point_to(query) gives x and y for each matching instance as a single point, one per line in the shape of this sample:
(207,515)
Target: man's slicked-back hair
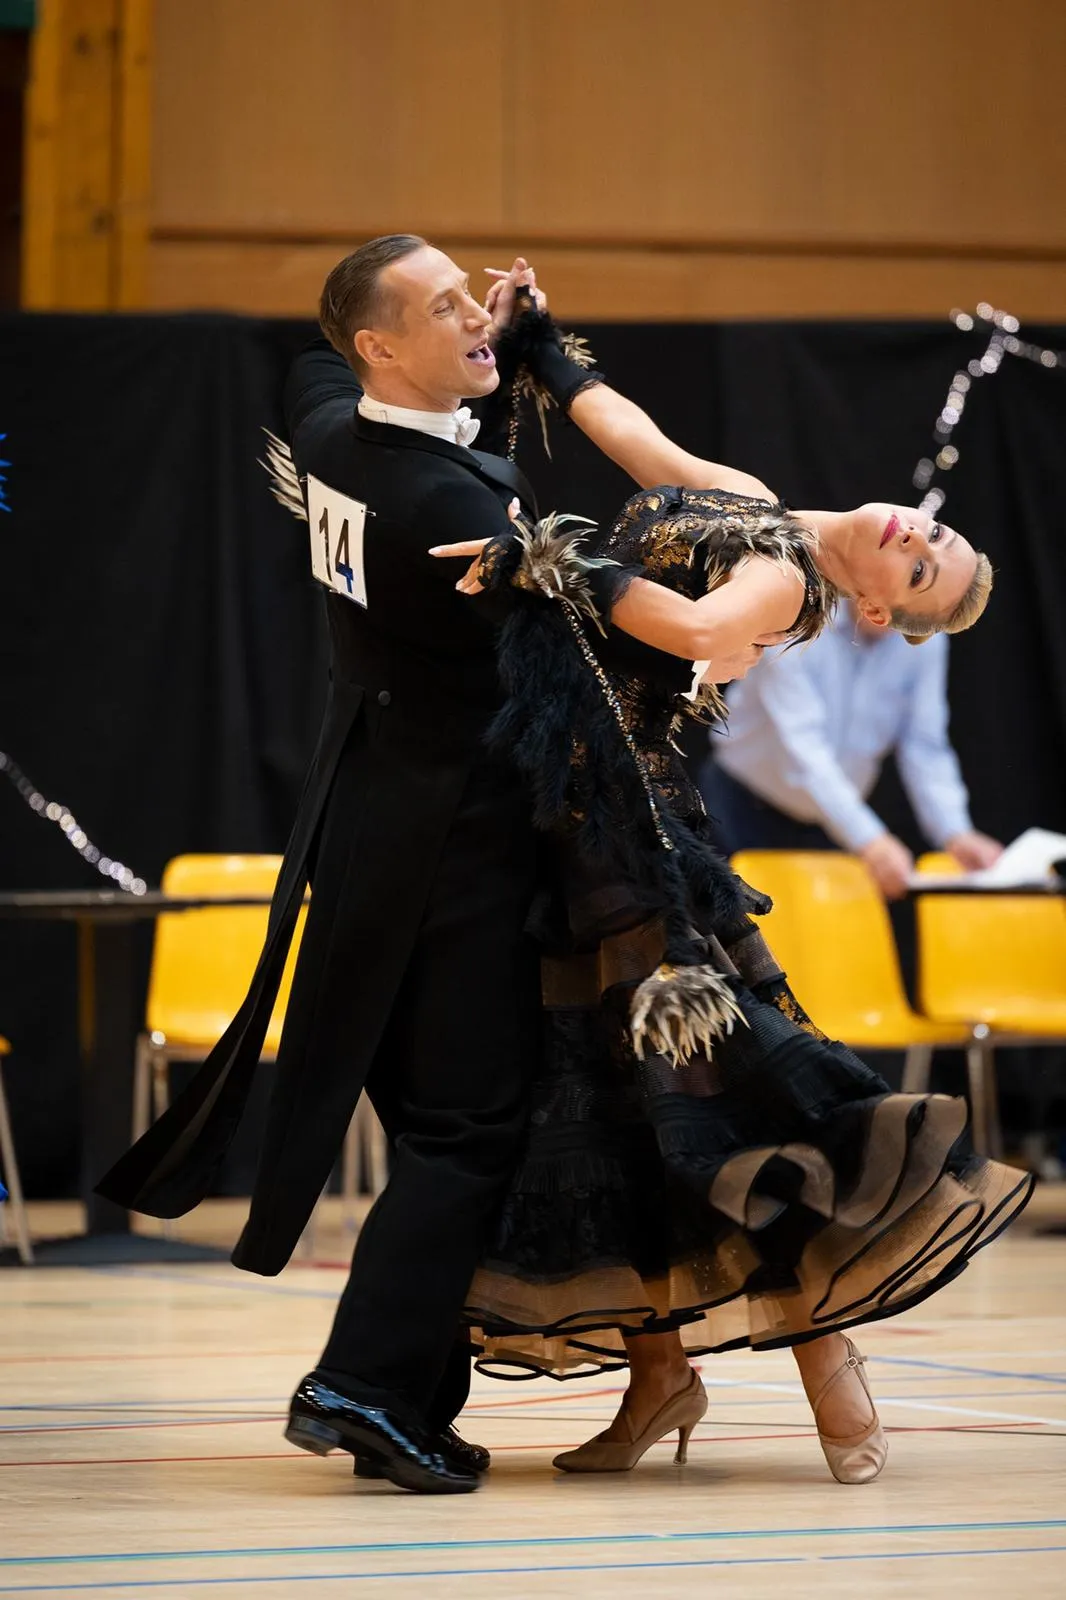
(352,295)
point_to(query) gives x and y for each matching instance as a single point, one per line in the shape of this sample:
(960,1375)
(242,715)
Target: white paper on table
(1025,862)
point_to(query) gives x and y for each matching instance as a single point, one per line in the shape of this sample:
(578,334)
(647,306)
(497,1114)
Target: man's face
(439,346)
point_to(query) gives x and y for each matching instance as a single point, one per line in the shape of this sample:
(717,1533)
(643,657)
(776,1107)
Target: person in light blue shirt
(809,730)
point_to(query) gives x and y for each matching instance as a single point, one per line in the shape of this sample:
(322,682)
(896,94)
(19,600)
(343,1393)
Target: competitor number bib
(335,523)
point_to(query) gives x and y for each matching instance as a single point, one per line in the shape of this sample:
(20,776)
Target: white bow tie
(467,426)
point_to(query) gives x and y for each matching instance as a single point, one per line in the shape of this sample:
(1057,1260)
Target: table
(110,1016)
(1039,891)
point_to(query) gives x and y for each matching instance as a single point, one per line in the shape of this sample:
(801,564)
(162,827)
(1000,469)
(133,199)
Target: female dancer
(704,1169)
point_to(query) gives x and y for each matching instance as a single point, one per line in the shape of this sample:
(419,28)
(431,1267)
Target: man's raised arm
(318,376)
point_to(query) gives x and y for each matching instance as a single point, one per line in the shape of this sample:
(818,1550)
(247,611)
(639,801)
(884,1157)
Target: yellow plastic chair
(997,963)
(831,932)
(9,1171)
(202,962)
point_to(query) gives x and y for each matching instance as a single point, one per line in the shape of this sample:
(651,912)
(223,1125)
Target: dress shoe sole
(365,1468)
(319,1438)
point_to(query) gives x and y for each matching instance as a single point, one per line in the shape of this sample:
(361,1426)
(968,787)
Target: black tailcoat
(401,809)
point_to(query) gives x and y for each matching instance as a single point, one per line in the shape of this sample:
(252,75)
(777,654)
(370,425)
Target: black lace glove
(559,364)
(544,559)
(500,561)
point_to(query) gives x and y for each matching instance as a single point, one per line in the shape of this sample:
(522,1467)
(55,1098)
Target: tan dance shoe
(859,1457)
(682,1411)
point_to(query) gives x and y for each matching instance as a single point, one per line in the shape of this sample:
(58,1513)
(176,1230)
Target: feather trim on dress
(550,562)
(281,470)
(774,535)
(679,1011)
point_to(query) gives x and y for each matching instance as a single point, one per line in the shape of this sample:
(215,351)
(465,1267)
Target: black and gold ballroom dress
(699,1155)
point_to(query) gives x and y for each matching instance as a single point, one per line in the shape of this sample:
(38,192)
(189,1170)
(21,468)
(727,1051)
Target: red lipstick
(890,527)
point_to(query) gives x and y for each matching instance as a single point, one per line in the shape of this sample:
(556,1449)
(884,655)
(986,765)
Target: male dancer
(414,977)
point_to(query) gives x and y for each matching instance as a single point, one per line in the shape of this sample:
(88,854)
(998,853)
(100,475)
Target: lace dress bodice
(691,540)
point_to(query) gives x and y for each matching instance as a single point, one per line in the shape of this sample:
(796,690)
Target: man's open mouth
(483,356)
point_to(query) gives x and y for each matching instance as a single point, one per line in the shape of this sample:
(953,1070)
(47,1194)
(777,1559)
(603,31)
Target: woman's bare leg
(658,1369)
(846,1408)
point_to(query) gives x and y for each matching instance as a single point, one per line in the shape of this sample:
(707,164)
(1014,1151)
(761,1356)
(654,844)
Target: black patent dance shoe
(471,1457)
(321,1419)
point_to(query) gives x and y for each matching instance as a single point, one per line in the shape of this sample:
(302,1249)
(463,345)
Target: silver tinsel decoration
(1003,330)
(122,877)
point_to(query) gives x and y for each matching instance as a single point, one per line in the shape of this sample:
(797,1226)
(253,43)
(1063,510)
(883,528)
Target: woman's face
(899,558)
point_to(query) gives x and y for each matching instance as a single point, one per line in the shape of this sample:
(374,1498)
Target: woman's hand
(468,583)
(500,299)
(727,669)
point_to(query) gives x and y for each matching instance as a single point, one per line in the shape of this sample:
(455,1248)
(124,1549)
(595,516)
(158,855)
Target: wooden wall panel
(133,153)
(794,120)
(692,157)
(330,116)
(88,134)
(69,169)
(624,284)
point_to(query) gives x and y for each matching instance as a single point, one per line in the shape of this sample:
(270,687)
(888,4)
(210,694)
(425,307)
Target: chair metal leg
(160,1082)
(372,1147)
(377,1152)
(917,1067)
(159,1066)
(305,1245)
(14,1183)
(350,1159)
(981,1070)
(142,1079)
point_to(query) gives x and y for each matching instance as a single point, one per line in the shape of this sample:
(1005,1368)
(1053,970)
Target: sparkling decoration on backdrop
(67,823)
(1003,340)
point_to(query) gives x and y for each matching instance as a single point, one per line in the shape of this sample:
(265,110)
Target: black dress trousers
(449,1082)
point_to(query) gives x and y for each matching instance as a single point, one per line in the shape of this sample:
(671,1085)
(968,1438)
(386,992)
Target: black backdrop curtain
(162,646)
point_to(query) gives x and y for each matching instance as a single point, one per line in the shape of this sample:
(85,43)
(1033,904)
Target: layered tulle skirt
(768,1191)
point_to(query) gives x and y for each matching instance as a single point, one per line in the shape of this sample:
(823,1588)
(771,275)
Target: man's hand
(974,851)
(890,864)
(499,302)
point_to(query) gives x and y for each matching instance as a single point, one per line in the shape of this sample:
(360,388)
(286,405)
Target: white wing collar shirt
(810,727)
(458,427)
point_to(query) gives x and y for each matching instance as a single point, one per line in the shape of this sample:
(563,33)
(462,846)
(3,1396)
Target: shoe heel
(684,1434)
(314,1436)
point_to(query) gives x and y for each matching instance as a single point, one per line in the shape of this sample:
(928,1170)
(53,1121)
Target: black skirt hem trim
(641,1320)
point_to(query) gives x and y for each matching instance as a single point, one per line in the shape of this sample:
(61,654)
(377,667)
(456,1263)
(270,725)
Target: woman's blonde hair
(917,629)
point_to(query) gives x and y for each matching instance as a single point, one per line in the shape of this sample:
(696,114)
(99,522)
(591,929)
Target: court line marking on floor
(280,1402)
(91,1357)
(129,1427)
(514,1572)
(973,1372)
(554,1541)
(539,1447)
(237,1284)
(789,1390)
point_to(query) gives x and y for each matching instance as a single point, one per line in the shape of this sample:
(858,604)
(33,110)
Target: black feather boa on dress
(558,727)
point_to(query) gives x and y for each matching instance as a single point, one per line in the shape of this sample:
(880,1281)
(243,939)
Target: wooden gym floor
(141,1453)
